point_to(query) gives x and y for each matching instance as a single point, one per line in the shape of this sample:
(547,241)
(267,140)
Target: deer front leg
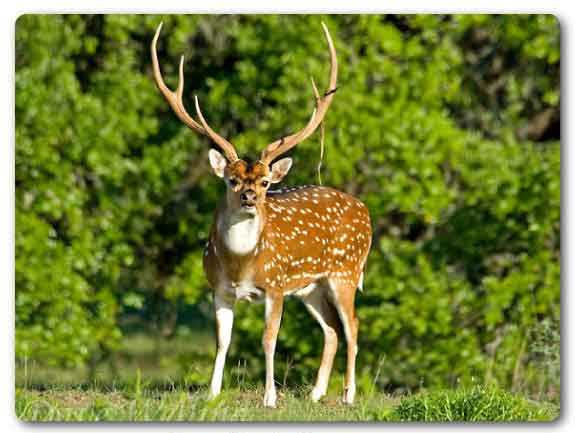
(224,323)
(274,306)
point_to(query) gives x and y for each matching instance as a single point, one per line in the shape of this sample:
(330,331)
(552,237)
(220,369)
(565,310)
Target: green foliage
(509,74)
(430,127)
(469,405)
(545,353)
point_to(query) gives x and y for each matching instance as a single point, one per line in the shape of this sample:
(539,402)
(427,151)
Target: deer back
(312,232)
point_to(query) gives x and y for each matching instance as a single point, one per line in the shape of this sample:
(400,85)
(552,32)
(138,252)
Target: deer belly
(302,292)
(245,291)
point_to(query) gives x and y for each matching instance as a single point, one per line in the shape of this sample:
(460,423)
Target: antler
(175,101)
(279,147)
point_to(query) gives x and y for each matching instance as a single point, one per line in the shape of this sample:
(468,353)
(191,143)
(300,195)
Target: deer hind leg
(326,315)
(343,299)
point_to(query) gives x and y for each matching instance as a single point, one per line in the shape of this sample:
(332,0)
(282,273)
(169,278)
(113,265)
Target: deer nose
(248,196)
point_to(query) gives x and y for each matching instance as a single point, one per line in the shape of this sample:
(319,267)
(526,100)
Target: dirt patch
(73,399)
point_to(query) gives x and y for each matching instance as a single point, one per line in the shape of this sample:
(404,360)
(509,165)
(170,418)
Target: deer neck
(240,232)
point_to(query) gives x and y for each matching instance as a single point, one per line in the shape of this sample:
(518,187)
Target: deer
(309,241)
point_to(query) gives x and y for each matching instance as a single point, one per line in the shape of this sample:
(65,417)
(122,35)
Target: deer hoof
(317,394)
(270,398)
(213,394)
(349,395)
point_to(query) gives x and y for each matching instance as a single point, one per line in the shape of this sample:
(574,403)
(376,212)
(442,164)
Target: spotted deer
(309,241)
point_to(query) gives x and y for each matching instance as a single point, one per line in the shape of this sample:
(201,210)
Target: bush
(470,405)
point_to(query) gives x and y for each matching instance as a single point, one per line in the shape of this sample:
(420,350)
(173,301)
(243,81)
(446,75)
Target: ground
(141,404)
(151,382)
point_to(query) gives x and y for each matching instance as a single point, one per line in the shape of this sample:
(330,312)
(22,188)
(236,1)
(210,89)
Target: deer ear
(218,162)
(280,169)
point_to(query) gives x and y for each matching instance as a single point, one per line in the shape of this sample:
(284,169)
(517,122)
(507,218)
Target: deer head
(247,182)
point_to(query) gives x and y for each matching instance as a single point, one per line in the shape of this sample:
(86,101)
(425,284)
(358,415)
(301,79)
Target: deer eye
(233,183)
(265,183)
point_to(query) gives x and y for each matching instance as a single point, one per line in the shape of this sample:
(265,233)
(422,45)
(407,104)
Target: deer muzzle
(248,198)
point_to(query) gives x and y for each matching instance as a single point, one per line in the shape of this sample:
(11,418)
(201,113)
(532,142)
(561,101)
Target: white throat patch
(241,233)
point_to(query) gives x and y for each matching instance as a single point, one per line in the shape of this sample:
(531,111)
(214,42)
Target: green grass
(138,403)
(166,380)
(476,404)
(181,405)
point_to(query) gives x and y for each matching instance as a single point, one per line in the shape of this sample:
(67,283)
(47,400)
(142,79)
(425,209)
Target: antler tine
(174,99)
(224,144)
(315,91)
(279,147)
